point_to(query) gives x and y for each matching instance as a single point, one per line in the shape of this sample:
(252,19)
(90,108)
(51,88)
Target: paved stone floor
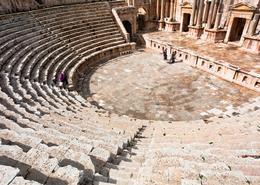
(218,51)
(144,86)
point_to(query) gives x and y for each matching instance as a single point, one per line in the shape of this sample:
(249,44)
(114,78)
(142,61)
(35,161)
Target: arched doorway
(141,17)
(128,27)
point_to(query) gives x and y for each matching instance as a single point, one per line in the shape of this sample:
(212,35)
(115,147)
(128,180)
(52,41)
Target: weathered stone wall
(61,2)
(9,6)
(12,6)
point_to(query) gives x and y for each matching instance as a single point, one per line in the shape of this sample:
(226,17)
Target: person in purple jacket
(60,79)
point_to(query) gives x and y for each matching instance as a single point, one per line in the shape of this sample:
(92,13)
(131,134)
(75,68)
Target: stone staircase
(50,135)
(191,153)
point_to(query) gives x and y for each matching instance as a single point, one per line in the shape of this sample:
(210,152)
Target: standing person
(65,81)
(172,59)
(61,78)
(165,54)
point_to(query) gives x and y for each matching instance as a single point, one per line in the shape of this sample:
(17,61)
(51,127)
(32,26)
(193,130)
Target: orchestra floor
(144,86)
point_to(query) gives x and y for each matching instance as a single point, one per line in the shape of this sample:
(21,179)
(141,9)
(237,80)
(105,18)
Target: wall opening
(237,29)
(186,22)
(128,27)
(244,79)
(141,17)
(39,1)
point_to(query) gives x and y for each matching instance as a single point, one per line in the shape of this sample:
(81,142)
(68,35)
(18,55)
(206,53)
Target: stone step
(7,174)
(22,181)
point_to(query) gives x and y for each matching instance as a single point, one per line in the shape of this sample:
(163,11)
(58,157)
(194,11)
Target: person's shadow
(176,61)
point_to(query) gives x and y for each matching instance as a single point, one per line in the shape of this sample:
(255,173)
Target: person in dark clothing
(172,59)
(65,81)
(165,54)
(62,80)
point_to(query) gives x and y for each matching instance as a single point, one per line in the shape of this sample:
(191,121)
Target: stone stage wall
(221,69)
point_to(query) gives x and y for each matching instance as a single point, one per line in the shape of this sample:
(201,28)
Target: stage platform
(230,53)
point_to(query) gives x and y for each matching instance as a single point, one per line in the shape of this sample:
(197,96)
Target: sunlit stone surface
(145,86)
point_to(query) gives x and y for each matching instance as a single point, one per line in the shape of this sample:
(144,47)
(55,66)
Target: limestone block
(83,160)
(11,151)
(7,174)
(190,182)
(100,153)
(22,181)
(66,175)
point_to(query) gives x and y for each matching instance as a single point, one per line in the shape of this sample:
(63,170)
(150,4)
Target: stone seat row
(38,165)
(63,9)
(162,156)
(48,133)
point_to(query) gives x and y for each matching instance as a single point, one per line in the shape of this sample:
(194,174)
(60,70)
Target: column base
(172,26)
(161,25)
(251,44)
(195,31)
(214,35)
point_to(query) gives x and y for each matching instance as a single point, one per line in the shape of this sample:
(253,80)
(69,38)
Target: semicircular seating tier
(50,134)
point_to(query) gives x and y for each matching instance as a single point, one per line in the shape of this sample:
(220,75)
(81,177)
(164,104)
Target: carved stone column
(167,4)
(200,14)
(217,22)
(193,12)
(171,10)
(158,9)
(206,12)
(210,14)
(161,21)
(253,24)
(215,10)
(162,10)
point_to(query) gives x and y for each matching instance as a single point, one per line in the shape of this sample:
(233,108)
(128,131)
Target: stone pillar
(193,12)
(158,9)
(217,22)
(167,8)
(206,12)
(210,14)
(133,3)
(197,12)
(171,10)
(215,10)
(199,19)
(253,24)
(175,4)
(162,10)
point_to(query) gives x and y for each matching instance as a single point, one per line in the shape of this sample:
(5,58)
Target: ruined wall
(9,6)
(61,2)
